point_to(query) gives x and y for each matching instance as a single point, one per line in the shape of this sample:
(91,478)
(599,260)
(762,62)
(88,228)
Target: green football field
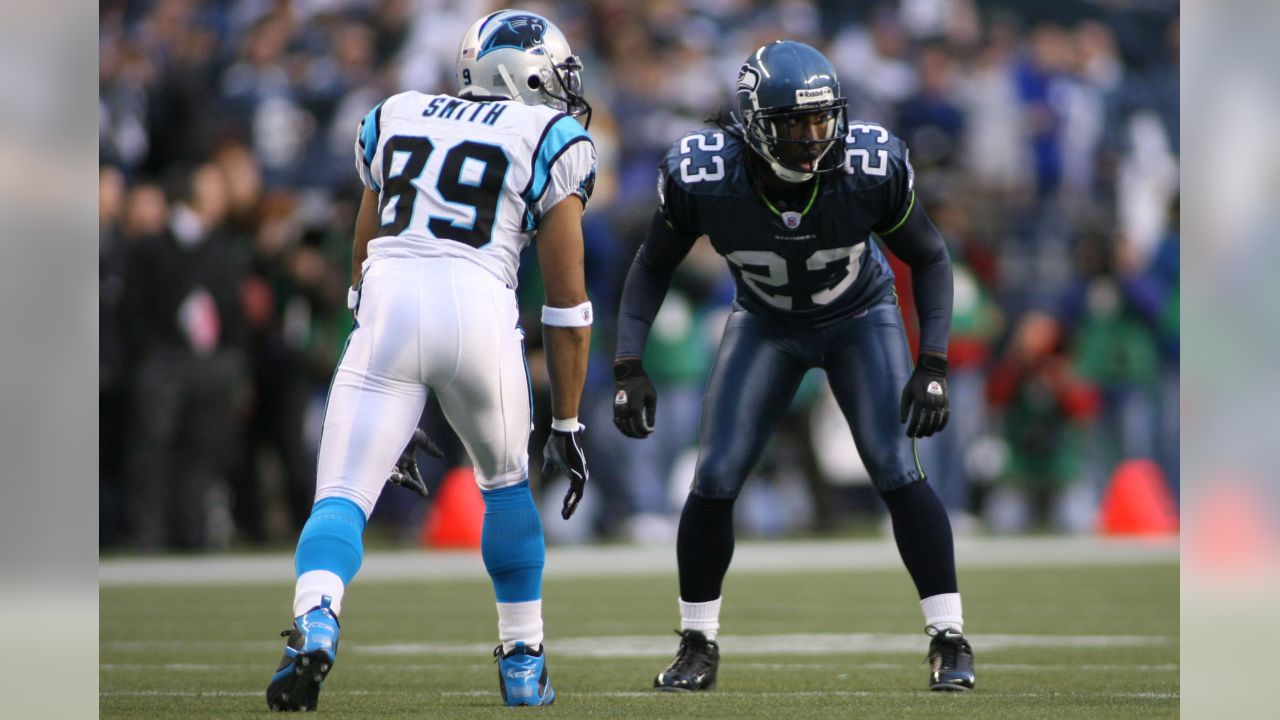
(1069,639)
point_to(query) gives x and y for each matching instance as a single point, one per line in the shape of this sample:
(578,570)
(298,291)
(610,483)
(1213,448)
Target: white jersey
(469,179)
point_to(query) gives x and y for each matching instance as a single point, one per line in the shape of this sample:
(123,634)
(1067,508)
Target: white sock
(313,585)
(703,617)
(942,612)
(520,622)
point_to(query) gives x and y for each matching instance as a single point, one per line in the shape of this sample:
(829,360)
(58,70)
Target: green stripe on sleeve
(910,206)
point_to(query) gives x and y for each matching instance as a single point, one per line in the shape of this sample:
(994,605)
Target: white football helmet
(522,56)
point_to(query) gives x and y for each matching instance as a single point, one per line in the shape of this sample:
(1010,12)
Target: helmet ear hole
(534,82)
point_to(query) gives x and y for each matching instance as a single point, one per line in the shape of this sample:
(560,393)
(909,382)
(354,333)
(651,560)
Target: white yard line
(795,644)
(800,555)
(664,697)
(807,667)
(744,646)
(836,693)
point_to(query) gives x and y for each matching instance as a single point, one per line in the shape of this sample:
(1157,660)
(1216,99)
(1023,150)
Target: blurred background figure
(1045,132)
(1046,410)
(185,332)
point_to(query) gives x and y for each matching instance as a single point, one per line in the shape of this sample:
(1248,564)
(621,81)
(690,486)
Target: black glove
(925,397)
(635,406)
(564,453)
(406,471)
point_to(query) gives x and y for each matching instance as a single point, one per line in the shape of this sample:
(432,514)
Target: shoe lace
(693,657)
(498,653)
(948,652)
(946,649)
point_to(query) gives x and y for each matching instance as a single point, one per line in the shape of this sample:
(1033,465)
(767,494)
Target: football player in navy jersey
(791,192)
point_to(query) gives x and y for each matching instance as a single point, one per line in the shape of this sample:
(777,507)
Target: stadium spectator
(1043,120)
(182,311)
(1047,409)
(1111,317)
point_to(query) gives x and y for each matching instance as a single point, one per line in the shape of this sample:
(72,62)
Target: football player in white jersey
(455,188)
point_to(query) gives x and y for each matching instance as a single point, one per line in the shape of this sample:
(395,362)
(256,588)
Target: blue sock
(331,539)
(512,544)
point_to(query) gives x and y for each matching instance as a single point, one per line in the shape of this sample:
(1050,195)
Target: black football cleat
(950,662)
(694,667)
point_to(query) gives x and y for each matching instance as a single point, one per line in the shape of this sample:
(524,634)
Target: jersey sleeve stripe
(910,206)
(559,135)
(540,191)
(369,133)
(537,148)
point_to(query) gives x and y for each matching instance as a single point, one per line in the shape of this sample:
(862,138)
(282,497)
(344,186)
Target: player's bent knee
(502,482)
(890,482)
(331,539)
(716,481)
(349,491)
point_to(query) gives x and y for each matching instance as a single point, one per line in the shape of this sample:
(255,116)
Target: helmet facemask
(568,82)
(799,141)
(792,110)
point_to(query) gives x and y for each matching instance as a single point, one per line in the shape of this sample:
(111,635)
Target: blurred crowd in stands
(1045,138)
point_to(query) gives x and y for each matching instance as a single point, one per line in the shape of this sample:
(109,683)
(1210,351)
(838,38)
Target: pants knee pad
(717,481)
(512,544)
(331,539)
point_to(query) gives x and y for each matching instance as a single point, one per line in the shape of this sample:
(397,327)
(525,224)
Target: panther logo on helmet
(522,56)
(521,32)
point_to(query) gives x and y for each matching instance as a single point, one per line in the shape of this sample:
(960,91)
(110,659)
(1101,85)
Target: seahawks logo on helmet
(522,32)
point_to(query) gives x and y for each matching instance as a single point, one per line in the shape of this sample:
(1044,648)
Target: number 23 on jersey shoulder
(709,167)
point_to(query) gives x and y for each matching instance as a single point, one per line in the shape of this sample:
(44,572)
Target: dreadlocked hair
(725,119)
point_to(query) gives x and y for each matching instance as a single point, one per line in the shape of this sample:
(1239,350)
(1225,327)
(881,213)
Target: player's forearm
(922,248)
(932,285)
(566,351)
(647,283)
(567,315)
(642,296)
(367,225)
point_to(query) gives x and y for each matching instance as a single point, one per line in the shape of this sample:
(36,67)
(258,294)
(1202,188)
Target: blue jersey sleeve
(366,147)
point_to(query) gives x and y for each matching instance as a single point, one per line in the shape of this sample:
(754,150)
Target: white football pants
(440,323)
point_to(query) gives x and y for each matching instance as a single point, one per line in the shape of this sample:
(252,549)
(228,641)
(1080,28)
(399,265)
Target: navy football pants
(758,368)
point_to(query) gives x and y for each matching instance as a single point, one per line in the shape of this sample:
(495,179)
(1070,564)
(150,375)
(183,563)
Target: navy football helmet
(792,110)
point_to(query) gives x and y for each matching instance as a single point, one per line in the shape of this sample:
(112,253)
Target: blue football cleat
(522,676)
(308,656)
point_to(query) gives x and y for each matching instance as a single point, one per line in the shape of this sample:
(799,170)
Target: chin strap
(510,83)
(789,175)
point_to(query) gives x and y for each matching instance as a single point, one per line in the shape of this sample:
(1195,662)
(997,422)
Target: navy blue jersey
(809,265)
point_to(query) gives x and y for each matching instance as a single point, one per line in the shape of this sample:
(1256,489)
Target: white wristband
(579,316)
(566,425)
(353,298)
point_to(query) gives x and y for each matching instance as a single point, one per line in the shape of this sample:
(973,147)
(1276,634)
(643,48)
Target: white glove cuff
(579,316)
